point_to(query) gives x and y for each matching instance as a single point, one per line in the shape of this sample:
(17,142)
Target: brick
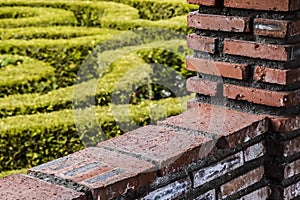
(202,43)
(285,124)
(217,170)
(262,193)
(261,50)
(276,76)
(292,191)
(262,96)
(254,151)
(27,188)
(276,28)
(283,5)
(171,191)
(218,22)
(201,86)
(224,69)
(292,169)
(242,182)
(168,149)
(214,3)
(104,172)
(210,195)
(292,147)
(229,127)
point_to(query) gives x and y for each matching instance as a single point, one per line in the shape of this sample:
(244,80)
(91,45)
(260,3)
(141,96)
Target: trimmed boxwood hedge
(43,137)
(62,98)
(19,75)
(7,173)
(27,16)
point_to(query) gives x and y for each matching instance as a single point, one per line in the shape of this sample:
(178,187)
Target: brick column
(255,47)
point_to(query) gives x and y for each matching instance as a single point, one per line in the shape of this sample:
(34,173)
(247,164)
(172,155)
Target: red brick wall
(239,139)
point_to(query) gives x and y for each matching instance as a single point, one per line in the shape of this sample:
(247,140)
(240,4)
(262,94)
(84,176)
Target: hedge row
(19,75)
(7,173)
(62,98)
(106,14)
(12,17)
(43,137)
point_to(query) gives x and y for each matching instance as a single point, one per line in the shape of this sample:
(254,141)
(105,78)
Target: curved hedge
(62,98)
(42,137)
(19,75)
(26,16)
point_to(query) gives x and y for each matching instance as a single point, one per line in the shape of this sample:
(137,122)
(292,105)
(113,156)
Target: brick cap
(27,188)
(228,126)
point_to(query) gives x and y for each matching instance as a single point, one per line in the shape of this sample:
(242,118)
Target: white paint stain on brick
(292,191)
(254,151)
(210,195)
(170,191)
(210,173)
(267,27)
(262,193)
(292,169)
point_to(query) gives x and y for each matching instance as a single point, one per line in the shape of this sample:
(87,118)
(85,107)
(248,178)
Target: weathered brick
(224,69)
(276,28)
(292,147)
(104,172)
(242,182)
(228,126)
(210,195)
(277,76)
(261,50)
(254,151)
(171,191)
(202,43)
(282,5)
(292,169)
(262,96)
(262,193)
(221,168)
(168,149)
(27,188)
(218,22)
(201,86)
(206,2)
(292,191)
(285,124)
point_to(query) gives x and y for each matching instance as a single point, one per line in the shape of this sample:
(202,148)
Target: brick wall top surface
(28,188)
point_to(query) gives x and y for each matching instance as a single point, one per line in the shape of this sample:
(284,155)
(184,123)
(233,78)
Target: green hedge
(43,137)
(62,98)
(27,16)
(19,75)
(7,173)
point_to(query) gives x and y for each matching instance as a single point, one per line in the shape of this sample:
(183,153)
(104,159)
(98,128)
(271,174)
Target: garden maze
(49,45)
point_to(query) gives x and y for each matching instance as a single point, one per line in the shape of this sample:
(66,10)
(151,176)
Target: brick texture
(28,188)
(276,28)
(292,169)
(292,147)
(262,193)
(283,5)
(202,43)
(276,76)
(262,96)
(198,85)
(292,191)
(167,148)
(285,124)
(254,151)
(104,172)
(224,69)
(242,182)
(260,50)
(218,22)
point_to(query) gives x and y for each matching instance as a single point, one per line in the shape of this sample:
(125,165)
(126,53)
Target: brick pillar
(255,47)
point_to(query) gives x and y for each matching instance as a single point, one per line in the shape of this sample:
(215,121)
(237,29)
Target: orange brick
(218,22)
(282,5)
(202,43)
(262,96)
(200,86)
(277,76)
(224,69)
(261,50)
(285,124)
